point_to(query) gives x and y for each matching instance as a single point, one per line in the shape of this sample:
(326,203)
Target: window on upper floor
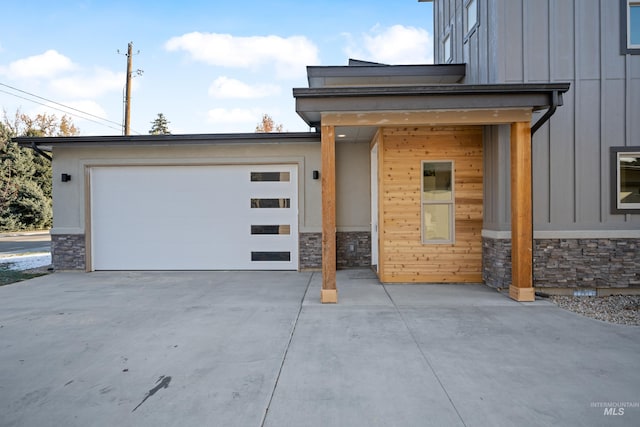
(630,26)
(470,16)
(625,180)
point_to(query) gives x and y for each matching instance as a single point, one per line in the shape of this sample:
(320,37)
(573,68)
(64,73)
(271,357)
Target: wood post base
(329,296)
(522,294)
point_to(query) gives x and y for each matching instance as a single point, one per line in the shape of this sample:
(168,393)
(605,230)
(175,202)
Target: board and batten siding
(403,256)
(537,41)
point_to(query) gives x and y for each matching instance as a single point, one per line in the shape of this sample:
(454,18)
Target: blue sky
(209,67)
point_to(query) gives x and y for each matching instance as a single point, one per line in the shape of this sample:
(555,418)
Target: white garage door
(238,217)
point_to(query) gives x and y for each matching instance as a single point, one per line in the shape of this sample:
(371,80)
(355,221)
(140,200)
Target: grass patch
(10,276)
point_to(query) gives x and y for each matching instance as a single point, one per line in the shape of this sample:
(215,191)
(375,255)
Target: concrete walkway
(257,349)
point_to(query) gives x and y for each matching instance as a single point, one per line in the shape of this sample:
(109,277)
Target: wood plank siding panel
(403,256)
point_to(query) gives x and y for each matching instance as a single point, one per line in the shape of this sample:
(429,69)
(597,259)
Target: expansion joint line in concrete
(286,351)
(424,356)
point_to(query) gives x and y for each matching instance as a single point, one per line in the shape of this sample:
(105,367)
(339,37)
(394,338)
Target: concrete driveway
(257,349)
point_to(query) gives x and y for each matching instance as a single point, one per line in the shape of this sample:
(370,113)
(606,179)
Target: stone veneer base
(353,249)
(68,251)
(570,263)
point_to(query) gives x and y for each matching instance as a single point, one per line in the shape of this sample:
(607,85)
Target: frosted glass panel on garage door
(190,218)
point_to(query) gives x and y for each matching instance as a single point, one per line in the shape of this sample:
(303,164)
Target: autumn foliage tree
(268,125)
(25,177)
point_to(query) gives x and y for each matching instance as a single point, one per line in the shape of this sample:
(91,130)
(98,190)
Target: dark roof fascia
(381,70)
(171,140)
(311,102)
(385,70)
(452,89)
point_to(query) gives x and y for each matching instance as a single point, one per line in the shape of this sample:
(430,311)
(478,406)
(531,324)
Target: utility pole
(127,95)
(127,99)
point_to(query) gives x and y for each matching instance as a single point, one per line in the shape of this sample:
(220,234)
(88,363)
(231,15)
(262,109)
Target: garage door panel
(189,218)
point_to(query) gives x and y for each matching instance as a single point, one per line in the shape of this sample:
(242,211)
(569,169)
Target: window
(470,16)
(438,202)
(270,176)
(270,229)
(446,49)
(625,180)
(630,26)
(270,203)
(634,24)
(271,256)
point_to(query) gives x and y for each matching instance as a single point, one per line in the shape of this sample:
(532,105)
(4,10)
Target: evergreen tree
(160,126)
(25,177)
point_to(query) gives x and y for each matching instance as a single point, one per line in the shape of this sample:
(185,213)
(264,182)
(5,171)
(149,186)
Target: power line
(119,128)
(59,109)
(57,103)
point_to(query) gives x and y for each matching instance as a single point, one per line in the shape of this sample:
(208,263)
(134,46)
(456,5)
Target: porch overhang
(326,108)
(457,99)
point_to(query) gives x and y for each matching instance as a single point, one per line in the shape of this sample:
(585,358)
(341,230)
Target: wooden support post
(329,292)
(521,288)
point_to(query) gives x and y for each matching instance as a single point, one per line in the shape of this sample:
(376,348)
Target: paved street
(16,243)
(24,251)
(258,349)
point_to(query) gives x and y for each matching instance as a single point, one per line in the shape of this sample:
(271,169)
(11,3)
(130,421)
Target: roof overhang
(360,73)
(312,104)
(47,143)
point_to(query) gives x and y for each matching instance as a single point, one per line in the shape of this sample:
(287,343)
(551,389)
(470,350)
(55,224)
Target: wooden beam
(329,292)
(428,118)
(521,288)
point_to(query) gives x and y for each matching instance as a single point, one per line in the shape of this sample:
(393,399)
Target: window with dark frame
(630,26)
(625,180)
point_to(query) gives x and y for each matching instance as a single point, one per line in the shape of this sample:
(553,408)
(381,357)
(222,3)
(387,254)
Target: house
(426,173)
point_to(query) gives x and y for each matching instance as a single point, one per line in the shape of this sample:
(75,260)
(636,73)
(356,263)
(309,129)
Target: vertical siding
(561,168)
(588,39)
(536,40)
(562,40)
(512,57)
(575,41)
(497,210)
(587,153)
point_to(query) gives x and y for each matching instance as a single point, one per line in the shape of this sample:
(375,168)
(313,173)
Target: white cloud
(233,115)
(397,44)
(97,83)
(290,55)
(225,87)
(45,65)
